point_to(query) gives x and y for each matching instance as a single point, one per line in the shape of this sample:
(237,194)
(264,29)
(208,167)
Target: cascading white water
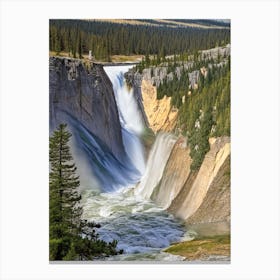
(129,114)
(157,160)
(141,228)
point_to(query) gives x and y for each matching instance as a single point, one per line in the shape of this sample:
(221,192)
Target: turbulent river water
(141,228)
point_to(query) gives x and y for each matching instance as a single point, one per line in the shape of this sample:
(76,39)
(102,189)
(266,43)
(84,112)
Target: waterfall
(99,168)
(156,163)
(129,115)
(108,176)
(89,151)
(141,227)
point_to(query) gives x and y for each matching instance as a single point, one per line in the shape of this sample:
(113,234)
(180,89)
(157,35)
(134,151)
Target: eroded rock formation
(160,114)
(208,172)
(201,196)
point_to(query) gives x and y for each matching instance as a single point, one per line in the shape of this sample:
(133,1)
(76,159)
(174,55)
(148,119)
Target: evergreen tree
(136,39)
(64,198)
(57,42)
(80,48)
(70,237)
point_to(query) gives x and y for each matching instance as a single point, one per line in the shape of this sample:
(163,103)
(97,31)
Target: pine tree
(65,212)
(80,46)
(57,42)
(71,238)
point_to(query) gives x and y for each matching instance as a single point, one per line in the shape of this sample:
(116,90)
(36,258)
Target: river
(142,228)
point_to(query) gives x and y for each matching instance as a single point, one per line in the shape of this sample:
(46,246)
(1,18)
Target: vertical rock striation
(84,93)
(158,157)
(211,165)
(176,173)
(201,196)
(82,96)
(160,114)
(217,199)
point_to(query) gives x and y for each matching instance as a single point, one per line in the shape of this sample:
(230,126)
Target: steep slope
(212,163)
(82,96)
(158,157)
(217,199)
(201,196)
(84,93)
(160,114)
(176,172)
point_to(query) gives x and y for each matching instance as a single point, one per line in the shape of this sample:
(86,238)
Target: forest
(77,37)
(162,44)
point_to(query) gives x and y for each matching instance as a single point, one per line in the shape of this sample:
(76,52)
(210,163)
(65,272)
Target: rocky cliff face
(82,96)
(135,80)
(156,74)
(217,199)
(157,114)
(196,196)
(210,170)
(176,172)
(160,114)
(85,94)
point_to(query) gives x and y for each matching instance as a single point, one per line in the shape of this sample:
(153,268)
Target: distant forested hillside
(106,38)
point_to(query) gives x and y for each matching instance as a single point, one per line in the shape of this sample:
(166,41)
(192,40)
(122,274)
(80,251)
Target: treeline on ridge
(77,37)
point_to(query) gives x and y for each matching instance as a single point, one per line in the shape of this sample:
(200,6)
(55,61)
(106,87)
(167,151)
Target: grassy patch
(114,58)
(202,247)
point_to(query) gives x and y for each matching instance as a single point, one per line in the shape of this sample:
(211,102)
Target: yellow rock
(211,164)
(160,114)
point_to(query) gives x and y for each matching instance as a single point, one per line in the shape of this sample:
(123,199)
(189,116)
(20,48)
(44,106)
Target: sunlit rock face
(217,199)
(160,114)
(201,196)
(211,165)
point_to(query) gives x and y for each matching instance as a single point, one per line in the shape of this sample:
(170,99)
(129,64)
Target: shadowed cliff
(82,96)
(86,94)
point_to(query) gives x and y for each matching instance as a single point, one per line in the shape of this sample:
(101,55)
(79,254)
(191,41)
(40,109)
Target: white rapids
(141,228)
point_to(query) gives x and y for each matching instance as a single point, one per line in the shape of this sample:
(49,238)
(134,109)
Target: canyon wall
(198,197)
(160,114)
(81,95)
(84,93)
(203,199)
(201,196)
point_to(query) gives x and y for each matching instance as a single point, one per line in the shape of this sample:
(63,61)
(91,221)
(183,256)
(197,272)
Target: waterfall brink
(156,163)
(129,114)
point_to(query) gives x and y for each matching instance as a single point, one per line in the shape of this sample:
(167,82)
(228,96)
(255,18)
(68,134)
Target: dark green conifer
(70,237)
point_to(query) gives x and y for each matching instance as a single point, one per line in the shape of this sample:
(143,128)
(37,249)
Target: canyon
(107,119)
